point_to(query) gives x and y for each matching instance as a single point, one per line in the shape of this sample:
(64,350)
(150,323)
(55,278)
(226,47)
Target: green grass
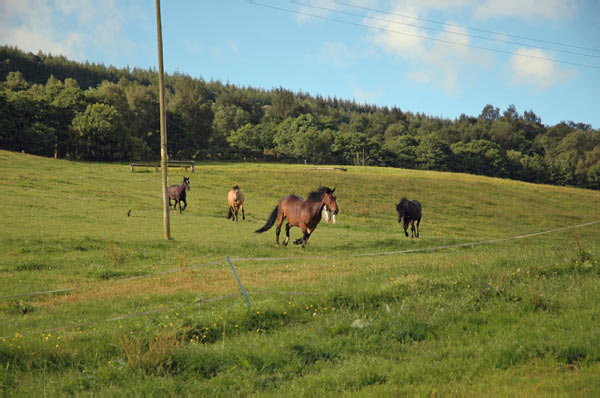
(517,317)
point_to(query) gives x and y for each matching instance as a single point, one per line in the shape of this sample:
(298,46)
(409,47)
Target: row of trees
(117,119)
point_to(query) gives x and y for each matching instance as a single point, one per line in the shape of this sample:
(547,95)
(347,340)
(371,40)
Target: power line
(422,36)
(444,30)
(467,27)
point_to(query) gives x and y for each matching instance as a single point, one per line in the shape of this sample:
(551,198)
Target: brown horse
(177,193)
(235,197)
(301,213)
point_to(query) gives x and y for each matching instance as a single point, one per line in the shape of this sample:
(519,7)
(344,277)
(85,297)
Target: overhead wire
(497,40)
(467,27)
(422,36)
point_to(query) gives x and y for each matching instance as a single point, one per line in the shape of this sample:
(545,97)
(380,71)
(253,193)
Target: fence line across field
(162,310)
(295,258)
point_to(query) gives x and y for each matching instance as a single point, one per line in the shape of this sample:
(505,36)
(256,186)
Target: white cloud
(445,55)
(72,28)
(334,54)
(233,46)
(540,73)
(368,96)
(420,76)
(548,9)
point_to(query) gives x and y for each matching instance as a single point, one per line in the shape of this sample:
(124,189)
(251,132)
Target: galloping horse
(177,193)
(235,197)
(411,211)
(301,213)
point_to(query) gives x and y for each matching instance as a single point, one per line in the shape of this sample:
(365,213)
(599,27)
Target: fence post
(239,282)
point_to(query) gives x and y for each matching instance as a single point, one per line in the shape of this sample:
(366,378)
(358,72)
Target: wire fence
(295,258)
(246,259)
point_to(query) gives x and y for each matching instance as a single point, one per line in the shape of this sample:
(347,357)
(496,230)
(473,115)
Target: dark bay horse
(410,210)
(235,198)
(304,214)
(177,193)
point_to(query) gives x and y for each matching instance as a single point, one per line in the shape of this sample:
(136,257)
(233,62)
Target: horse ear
(333,190)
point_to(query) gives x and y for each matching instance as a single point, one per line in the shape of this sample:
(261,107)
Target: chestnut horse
(304,214)
(177,193)
(235,197)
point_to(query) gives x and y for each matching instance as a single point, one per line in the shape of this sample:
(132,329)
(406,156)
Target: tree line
(52,106)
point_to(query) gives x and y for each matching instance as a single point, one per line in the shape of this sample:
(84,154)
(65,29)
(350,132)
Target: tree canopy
(52,106)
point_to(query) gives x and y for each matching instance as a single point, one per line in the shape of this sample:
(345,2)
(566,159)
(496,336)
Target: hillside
(361,310)
(52,106)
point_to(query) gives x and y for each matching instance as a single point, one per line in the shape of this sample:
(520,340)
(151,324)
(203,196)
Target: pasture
(350,313)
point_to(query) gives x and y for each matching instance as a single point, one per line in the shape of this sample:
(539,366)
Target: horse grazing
(304,214)
(177,193)
(327,216)
(235,197)
(410,210)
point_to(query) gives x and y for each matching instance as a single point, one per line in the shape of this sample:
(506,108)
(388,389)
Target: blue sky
(423,56)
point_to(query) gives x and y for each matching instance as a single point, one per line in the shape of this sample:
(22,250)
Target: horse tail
(229,214)
(270,221)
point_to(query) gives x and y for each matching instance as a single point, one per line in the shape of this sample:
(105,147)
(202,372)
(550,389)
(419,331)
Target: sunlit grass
(323,320)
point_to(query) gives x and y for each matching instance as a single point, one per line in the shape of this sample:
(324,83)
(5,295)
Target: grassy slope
(517,317)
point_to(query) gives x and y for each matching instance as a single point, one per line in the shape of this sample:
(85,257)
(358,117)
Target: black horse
(177,193)
(410,210)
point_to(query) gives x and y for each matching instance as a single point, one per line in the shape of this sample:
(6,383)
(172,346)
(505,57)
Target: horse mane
(317,195)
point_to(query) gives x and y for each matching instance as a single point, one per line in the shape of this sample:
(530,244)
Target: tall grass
(517,317)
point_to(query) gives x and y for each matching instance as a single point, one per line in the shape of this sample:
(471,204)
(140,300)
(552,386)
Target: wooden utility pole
(163,126)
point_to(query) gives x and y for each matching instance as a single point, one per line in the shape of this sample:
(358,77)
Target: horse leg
(412,229)
(280,218)
(405,227)
(287,234)
(184,202)
(305,237)
(243,215)
(418,222)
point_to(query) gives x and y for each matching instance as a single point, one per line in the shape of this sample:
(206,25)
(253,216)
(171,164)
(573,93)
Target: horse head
(186,183)
(330,200)
(401,209)
(236,188)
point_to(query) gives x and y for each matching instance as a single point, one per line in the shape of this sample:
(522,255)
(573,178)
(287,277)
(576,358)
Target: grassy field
(353,313)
